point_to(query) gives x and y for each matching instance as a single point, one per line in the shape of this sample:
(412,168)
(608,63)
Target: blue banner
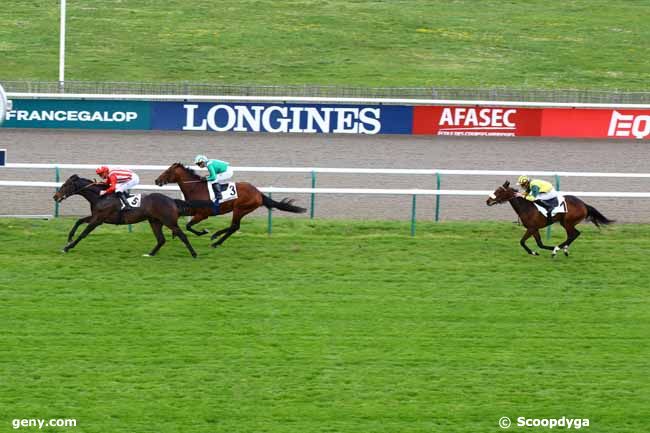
(282,118)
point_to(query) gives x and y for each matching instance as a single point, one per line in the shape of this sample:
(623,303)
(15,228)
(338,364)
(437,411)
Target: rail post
(270,219)
(437,197)
(413,215)
(57,178)
(313,196)
(557,188)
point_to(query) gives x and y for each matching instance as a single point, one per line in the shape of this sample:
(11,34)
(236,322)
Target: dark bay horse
(195,191)
(158,209)
(533,220)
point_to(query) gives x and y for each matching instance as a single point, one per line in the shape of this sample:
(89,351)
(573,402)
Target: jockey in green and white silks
(540,192)
(219,172)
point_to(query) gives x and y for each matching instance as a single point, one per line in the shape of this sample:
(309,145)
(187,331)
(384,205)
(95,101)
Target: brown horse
(533,220)
(158,209)
(195,191)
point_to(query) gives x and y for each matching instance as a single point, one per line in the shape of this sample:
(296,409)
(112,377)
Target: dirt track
(163,148)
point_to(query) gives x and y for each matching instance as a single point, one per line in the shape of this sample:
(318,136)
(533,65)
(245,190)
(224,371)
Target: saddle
(558,205)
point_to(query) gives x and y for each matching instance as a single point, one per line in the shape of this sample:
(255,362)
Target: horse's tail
(285,205)
(187,208)
(596,217)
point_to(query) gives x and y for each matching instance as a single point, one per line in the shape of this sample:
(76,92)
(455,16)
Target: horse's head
(502,194)
(72,186)
(176,173)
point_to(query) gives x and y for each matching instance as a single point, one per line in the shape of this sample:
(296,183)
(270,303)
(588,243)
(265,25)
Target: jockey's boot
(549,210)
(123,199)
(217,192)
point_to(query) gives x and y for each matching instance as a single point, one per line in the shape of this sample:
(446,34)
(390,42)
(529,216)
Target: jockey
(218,172)
(540,192)
(119,181)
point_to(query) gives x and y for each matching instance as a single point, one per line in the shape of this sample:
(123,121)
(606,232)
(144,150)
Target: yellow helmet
(523,180)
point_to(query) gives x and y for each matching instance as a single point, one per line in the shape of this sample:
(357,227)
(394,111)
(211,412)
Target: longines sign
(282,118)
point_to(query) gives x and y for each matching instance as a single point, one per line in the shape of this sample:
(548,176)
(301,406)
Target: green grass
(587,44)
(323,327)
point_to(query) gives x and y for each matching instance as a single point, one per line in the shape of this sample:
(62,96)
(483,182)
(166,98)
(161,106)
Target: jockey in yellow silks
(540,192)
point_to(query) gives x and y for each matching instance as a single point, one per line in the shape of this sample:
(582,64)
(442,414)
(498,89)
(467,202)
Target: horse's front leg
(538,240)
(195,220)
(76,225)
(89,228)
(523,240)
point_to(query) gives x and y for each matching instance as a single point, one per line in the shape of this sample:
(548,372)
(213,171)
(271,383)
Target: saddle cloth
(228,192)
(134,200)
(560,208)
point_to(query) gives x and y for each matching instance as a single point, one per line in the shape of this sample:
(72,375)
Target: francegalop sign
(38,113)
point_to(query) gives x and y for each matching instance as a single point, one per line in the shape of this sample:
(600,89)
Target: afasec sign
(476,121)
(282,118)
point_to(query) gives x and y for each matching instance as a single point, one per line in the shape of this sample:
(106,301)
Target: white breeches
(121,187)
(547,195)
(223,177)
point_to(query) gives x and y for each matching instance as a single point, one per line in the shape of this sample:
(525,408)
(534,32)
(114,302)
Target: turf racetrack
(327,326)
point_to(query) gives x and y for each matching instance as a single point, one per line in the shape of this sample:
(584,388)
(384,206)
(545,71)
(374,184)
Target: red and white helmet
(103,170)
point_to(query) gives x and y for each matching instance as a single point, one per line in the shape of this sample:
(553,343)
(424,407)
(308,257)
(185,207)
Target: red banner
(477,121)
(531,122)
(588,123)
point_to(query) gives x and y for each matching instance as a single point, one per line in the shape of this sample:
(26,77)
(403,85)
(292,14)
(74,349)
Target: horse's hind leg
(219,233)
(229,231)
(76,226)
(156,227)
(572,234)
(237,215)
(181,235)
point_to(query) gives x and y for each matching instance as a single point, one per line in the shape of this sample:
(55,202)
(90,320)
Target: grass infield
(585,44)
(324,326)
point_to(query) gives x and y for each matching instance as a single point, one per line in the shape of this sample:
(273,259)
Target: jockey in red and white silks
(119,181)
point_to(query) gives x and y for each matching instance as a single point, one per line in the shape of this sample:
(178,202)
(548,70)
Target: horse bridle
(493,196)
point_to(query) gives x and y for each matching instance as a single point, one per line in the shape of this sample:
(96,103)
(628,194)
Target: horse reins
(81,189)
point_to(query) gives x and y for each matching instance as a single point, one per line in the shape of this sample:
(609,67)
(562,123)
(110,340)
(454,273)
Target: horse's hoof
(147,255)
(203,232)
(214,245)
(534,253)
(63,250)
(194,255)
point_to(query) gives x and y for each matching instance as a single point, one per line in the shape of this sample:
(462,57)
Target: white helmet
(200,158)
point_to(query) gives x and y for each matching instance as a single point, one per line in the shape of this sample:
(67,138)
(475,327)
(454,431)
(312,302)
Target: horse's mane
(85,182)
(188,170)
